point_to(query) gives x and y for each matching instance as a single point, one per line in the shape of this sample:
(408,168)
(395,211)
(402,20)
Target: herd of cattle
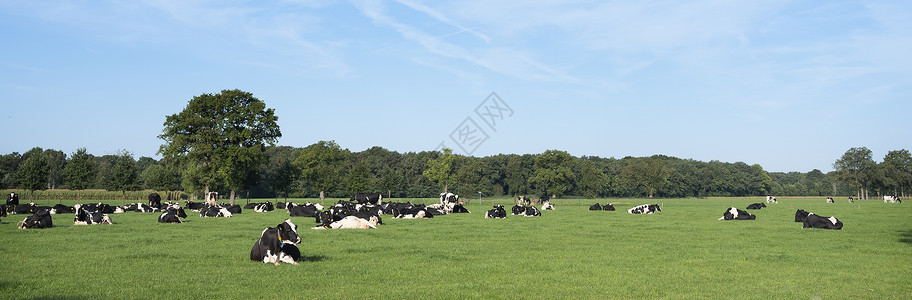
(362,211)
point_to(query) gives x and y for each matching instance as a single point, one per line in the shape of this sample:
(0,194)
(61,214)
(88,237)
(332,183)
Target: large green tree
(551,174)
(591,181)
(646,174)
(855,168)
(33,173)
(56,160)
(440,169)
(220,138)
(323,168)
(897,169)
(123,175)
(80,171)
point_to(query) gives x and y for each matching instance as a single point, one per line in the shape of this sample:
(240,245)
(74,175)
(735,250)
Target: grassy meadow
(682,252)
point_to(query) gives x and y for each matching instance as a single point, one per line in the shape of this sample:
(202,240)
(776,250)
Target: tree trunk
(123,199)
(446,186)
(232,197)
(321,198)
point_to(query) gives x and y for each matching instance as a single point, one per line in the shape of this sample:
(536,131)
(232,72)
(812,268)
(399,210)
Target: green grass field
(681,252)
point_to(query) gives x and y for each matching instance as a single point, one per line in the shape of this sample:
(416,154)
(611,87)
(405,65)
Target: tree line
(337,172)
(225,142)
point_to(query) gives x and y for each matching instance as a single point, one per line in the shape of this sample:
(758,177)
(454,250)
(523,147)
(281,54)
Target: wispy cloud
(502,60)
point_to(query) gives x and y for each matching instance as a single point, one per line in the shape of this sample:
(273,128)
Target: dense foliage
(338,172)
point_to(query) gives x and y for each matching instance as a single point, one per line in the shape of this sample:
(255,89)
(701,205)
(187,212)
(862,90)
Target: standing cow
(771,199)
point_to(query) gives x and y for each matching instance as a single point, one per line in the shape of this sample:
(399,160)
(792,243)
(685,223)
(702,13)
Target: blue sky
(789,85)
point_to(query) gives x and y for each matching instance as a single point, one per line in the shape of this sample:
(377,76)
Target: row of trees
(325,166)
(226,142)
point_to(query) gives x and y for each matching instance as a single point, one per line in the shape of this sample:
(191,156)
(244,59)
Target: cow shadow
(906,237)
(315,258)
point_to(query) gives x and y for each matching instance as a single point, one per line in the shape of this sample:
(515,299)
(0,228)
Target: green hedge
(62,194)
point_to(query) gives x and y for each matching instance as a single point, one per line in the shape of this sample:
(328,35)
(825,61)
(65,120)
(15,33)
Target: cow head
(288,232)
(324,219)
(654,208)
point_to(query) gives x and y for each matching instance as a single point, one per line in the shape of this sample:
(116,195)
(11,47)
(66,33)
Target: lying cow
(737,214)
(595,207)
(815,221)
(771,199)
(264,207)
(414,213)
(523,200)
(368,198)
(800,215)
(350,222)
(303,211)
(497,213)
(155,200)
(84,217)
(447,198)
(756,206)
(62,209)
(547,206)
(458,208)
(214,211)
(172,215)
(531,211)
(41,219)
(277,245)
(830,200)
(644,209)
(517,210)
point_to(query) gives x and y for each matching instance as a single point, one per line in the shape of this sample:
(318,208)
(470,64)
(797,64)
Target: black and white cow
(517,210)
(815,221)
(264,207)
(85,217)
(12,199)
(25,209)
(756,206)
(368,198)
(277,245)
(458,209)
(830,200)
(523,200)
(544,199)
(771,199)
(172,215)
(610,207)
(303,211)
(233,209)
(531,211)
(547,206)
(497,213)
(212,198)
(644,209)
(446,198)
(194,206)
(155,200)
(62,209)
(414,212)
(891,199)
(41,219)
(851,200)
(350,222)
(595,207)
(737,214)
(800,215)
(214,211)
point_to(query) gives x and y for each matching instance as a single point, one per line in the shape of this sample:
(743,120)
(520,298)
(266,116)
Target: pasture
(681,252)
